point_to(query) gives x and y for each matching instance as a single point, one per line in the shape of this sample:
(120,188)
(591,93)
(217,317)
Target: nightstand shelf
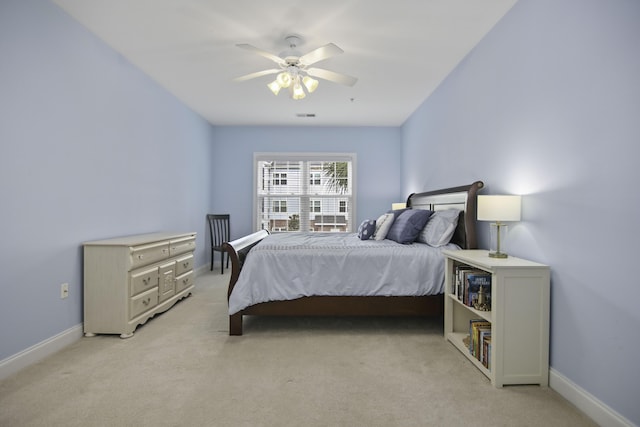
(519,317)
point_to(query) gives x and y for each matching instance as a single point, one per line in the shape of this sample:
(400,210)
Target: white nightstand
(519,317)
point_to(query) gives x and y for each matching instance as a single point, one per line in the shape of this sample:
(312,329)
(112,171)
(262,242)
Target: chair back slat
(219,232)
(219,229)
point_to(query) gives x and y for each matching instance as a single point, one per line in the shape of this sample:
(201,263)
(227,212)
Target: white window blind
(304,191)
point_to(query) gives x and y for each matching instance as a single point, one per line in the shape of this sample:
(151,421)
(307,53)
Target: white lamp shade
(298,92)
(310,84)
(274,86)
(499,208)
(284,79)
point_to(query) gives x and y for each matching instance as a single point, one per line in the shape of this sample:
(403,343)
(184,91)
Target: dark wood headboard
(463,198)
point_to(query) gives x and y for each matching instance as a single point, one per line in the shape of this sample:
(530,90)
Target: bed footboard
(237,251)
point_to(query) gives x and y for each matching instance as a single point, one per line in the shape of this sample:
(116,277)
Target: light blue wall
(378,165)
(91,148)
(548,105)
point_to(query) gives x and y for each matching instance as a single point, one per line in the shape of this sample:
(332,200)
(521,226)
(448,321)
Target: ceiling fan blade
(332,76)
(256,74)
(271,56)
(324,52)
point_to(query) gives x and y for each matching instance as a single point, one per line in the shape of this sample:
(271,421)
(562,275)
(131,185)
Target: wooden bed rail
(237,250)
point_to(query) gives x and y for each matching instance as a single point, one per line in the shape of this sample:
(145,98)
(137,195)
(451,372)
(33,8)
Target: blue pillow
(396,212)
(408,225)
(366,229)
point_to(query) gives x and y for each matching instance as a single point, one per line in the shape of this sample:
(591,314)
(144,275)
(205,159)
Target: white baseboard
(37,352)
(586,402)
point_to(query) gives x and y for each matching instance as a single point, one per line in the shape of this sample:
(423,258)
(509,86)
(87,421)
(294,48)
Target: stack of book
(480,341)
(468,282)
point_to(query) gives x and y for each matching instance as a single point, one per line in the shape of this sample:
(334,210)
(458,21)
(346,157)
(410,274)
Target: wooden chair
(219,231)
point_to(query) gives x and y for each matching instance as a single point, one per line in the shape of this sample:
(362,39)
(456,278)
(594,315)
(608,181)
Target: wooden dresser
(128,280)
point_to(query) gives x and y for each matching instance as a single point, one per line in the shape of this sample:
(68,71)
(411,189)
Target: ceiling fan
(294,72)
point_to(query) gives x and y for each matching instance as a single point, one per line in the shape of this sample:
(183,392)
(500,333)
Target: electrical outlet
(64,290)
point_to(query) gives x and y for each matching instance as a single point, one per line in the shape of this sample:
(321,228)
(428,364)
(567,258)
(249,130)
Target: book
(463,275)
(475,280)
(480,331)
(486,352)
(484,334)
(475,325)
(460,279)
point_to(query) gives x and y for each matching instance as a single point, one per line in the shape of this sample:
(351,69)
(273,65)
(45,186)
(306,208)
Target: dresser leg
(129,335)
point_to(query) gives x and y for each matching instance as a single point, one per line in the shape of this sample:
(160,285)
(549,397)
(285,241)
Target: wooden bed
(463,198)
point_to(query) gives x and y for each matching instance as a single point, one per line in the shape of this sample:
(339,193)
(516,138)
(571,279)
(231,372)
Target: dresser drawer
(147,254)
(184,264)
(180,246)
(167,281)
(143,302)
(184,281)
(143,279)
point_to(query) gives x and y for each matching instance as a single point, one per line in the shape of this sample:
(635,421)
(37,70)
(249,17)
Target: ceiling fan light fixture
(298,92)
(275,87)
(310,83)
(284,79)
(294,73)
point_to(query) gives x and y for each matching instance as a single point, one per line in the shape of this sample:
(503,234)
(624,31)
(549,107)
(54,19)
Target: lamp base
(498,231)
(498,255)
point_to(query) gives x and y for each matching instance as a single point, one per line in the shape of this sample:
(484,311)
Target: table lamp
(499,209)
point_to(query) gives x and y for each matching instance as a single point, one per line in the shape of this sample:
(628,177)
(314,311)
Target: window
(315,178)
(279,205)
(304,191)
(279,178)
(315,206)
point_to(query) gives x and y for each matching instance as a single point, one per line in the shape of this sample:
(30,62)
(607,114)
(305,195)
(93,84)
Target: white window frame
(308,157)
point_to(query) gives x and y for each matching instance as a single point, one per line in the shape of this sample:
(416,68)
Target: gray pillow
(407,226)
(383,224)
(440,228)
(366,229)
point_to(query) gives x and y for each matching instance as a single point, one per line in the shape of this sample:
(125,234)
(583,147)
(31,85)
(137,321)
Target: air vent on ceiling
(305,115)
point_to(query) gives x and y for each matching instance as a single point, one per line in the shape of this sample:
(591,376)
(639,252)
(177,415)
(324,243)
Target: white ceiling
(400,51)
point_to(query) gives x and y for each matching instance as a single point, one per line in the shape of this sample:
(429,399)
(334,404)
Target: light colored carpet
(182,369)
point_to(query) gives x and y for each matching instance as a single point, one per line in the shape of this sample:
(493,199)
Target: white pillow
(440,228)
(383,224)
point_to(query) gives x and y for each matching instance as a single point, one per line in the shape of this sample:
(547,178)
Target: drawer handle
(147,301)
(147,281)
(185,264)
(140,256)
